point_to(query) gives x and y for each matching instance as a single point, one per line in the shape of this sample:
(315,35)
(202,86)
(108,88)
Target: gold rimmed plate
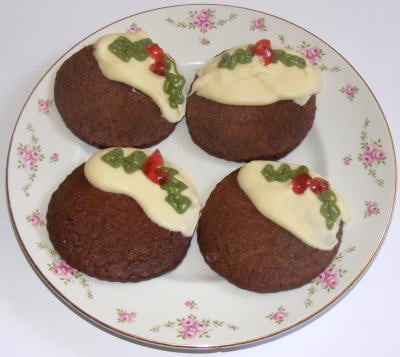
(192,307)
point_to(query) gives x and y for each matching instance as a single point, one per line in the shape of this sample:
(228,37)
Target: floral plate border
(202,311)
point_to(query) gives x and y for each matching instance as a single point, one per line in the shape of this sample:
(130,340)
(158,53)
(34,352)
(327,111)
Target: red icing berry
(300,182)
(152,168)
(318,185)
(157,175)
(155,51)
(154,160)
(263,48)
(158,67)
(259,47)
(268,56)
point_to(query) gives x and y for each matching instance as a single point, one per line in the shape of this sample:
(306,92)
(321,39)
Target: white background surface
(35,34)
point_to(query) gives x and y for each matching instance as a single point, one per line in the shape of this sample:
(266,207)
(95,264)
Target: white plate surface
(192,307)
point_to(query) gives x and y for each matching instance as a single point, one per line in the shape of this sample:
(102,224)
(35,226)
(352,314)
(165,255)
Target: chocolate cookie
(245,133)
(107,235)
(105,113)
(249,250)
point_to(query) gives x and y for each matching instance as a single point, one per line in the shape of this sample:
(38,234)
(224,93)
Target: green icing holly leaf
(114,157)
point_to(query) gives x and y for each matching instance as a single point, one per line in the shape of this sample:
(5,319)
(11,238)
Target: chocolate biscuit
(245,133)
(251,251)
(107,235)
(102,112)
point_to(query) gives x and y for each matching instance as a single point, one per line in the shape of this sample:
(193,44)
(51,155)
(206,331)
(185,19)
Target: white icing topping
(297,213)
(136,74)
(150,196)
(256,84)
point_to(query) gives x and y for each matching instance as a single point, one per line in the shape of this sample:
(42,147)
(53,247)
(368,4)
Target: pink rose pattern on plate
(44,105)
(29,155)
(313,54)
(371,209)
(54,157)
(371,155)
(190,326)
(347,160)
(204,20)
(35,219)
(329,279)
(258,24)
(61,269)
(191,304)
(133,28)
(350,91)
(278,316)
(123,316)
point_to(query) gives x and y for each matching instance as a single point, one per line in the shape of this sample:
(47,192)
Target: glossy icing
(255,83)
(299,214)
(150,196)
(136,74)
